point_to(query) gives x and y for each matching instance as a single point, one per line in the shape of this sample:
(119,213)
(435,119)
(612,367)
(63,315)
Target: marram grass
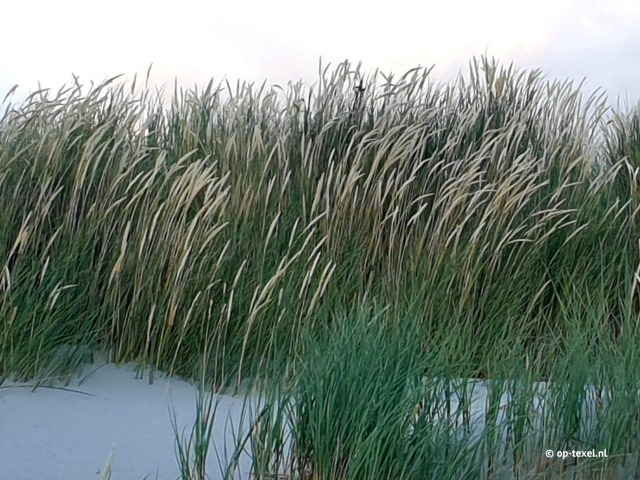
(370,402)
(498,214)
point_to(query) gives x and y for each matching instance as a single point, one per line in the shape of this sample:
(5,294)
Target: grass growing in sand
(494,218)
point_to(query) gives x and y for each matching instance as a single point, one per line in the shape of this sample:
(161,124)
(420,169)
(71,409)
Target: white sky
(281,40)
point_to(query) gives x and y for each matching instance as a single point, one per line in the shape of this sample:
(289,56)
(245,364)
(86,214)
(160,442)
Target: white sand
(68,433)
(54,434)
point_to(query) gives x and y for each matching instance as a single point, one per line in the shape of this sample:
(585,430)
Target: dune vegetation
(329,246)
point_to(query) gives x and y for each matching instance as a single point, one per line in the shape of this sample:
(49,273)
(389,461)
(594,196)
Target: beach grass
(251,232)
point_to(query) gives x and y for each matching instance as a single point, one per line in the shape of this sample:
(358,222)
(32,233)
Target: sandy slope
(55,434)
(68,433)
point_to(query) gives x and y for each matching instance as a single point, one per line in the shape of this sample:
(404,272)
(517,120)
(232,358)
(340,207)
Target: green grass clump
(369,401)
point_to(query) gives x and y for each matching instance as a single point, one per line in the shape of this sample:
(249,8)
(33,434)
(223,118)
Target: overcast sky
(282,40)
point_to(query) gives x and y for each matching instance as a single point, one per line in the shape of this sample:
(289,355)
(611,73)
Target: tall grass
(245,220)
(361,407)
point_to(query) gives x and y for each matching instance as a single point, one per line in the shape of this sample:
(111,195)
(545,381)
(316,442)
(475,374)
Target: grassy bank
(494,218)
